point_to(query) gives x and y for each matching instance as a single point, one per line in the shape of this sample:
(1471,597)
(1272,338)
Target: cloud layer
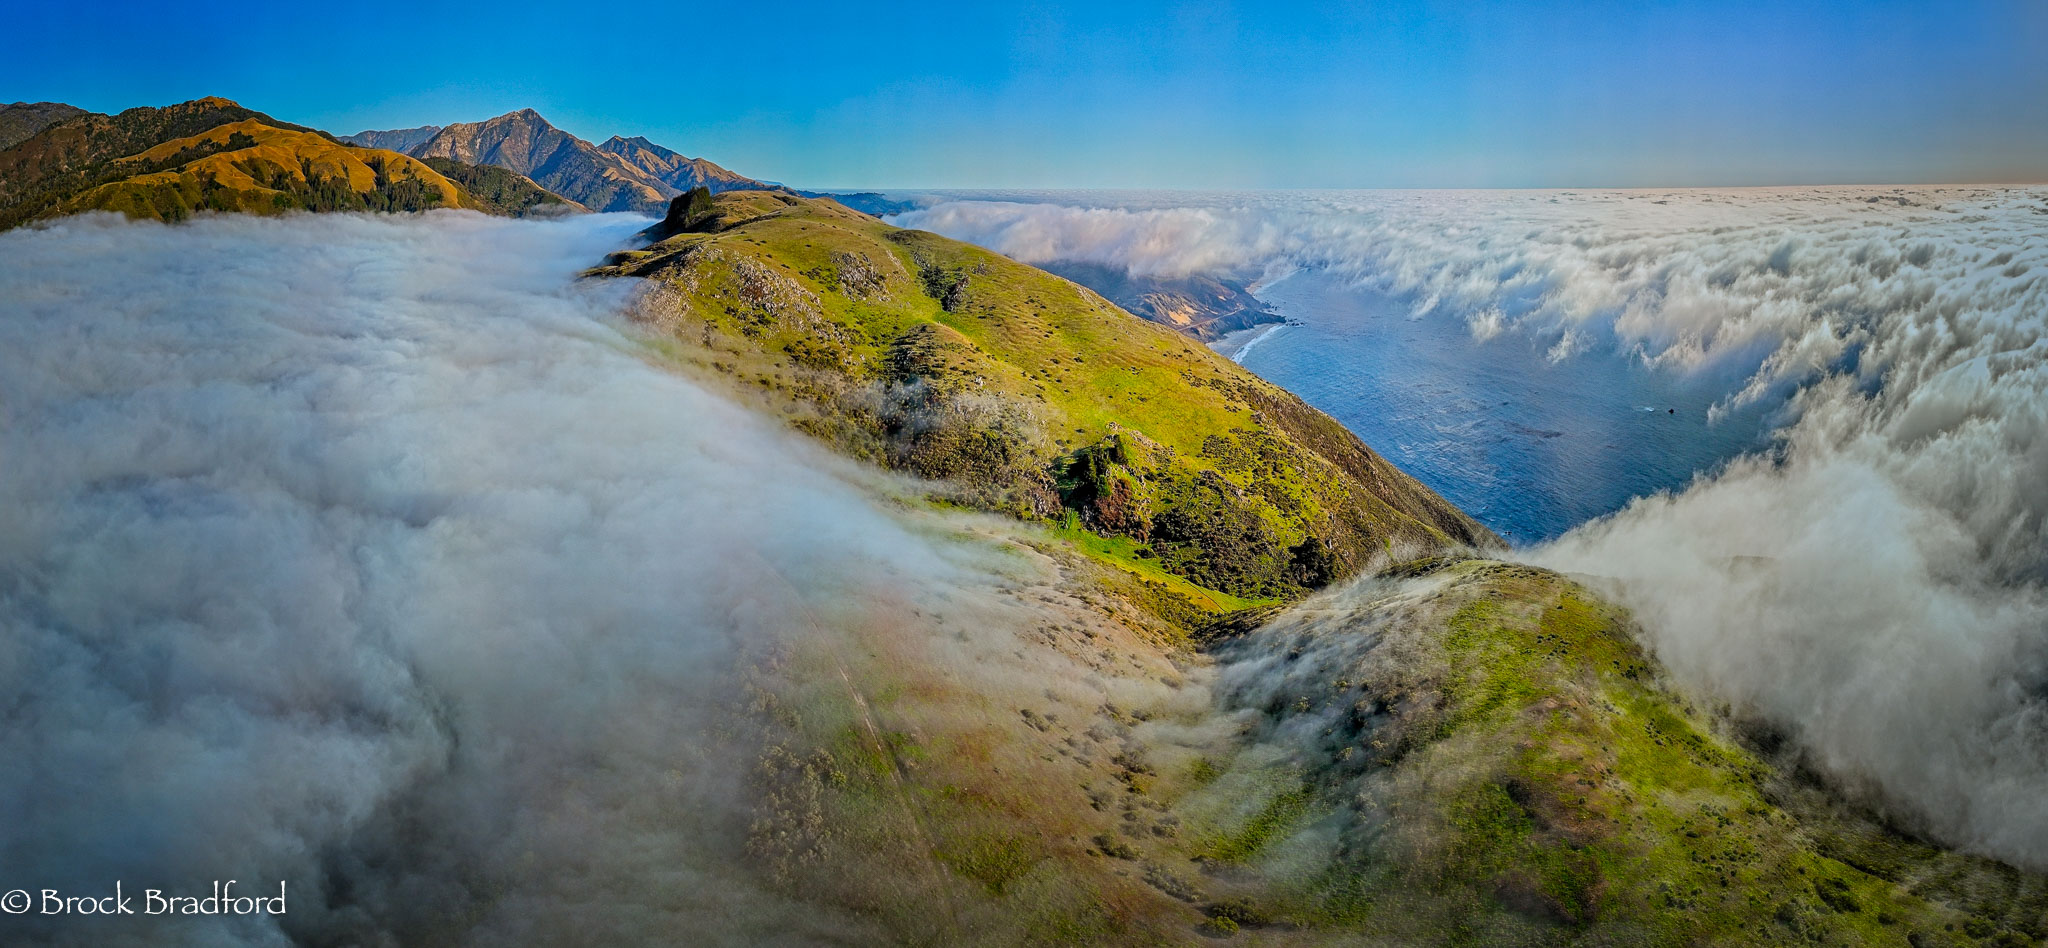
(1875,586)
(368,553)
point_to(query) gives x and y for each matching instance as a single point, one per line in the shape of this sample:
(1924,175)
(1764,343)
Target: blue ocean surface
(1548,421)
(1529,445)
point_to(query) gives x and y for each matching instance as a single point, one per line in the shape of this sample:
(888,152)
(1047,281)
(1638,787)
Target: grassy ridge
(1031,394)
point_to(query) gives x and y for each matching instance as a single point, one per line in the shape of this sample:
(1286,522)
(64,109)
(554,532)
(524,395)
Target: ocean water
(1543,358)
(1529,445)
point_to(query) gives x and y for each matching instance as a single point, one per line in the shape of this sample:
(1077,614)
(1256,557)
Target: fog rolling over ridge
(368,554)
(1873,587)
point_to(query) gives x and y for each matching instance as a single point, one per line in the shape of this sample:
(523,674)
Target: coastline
(1234,345)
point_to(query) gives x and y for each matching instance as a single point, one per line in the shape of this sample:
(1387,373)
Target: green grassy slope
(1030,394)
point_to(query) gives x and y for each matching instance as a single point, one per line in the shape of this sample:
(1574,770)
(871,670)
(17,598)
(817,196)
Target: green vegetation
(1028,395)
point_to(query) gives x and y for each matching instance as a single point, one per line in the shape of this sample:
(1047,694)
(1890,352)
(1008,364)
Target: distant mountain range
(21,120)
(623,174)
(213,154)
(677,171)
(401,140)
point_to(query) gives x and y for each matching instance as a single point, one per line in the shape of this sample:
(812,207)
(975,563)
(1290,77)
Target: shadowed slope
(21,120)
(402,140)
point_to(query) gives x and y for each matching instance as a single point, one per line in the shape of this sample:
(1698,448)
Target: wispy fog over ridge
(1873,587)
(368,553)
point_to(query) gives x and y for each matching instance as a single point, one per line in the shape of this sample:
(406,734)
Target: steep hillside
(1032,396)
(524,142)
(20,120)
(675,170)
(43,171)
(402,140)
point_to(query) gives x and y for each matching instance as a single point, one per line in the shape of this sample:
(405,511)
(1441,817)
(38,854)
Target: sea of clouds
(1874,584)
(369,554)
(372,553)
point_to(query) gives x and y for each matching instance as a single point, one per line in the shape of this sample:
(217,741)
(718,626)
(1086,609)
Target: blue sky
(1106,94)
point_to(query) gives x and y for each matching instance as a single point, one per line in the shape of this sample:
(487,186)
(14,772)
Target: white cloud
(368,553)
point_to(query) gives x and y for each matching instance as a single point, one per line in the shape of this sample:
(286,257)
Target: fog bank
(368,553)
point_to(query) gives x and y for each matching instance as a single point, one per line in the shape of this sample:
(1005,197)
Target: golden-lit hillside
(213,155)
(252,166)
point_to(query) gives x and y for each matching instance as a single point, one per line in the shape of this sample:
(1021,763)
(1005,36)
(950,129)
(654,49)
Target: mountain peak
(212,102)
(620,145)
(525,117)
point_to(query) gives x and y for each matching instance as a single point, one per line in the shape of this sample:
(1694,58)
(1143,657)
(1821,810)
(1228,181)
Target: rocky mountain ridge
(623,174)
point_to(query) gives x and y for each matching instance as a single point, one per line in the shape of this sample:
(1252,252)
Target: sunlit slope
(1033,395)
(43,171)
(252,166)
(213,155)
